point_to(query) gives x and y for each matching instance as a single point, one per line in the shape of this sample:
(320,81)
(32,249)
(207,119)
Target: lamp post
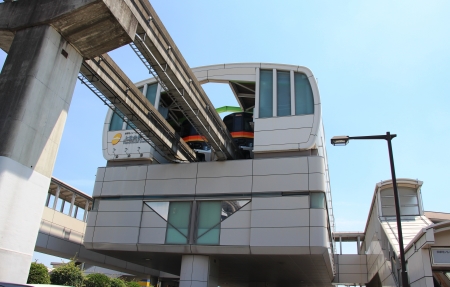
(342,141)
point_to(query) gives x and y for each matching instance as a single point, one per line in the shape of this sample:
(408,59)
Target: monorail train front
(280,106)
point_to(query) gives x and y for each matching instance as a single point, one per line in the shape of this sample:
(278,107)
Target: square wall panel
(125,187)
(240,236)
(282,202)
(242,184)
(225,168)
(152,235)
(297,236)
(120,205)
(170,171)
(290,182)
(280,218)
(114,218)
(284,165)
(174,186)
(125,235)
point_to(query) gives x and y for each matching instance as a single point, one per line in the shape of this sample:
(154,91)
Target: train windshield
(239,122)
(187,130)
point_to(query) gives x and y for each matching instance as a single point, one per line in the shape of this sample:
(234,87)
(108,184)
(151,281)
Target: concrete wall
(350,269)
(36,86)
(270,224)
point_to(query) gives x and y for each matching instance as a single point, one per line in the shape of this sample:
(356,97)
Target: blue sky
(381,66)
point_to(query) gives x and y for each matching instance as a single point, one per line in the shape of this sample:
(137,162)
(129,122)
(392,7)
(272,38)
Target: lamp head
(340,140)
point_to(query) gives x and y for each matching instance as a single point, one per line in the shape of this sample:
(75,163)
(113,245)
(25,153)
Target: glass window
(248,118)
(116,121)
(283,94)
(210,215)
(141,89)
(178,222)
(162,208)
(304,100)
(317,200)
(409,204)
(265,94)
(151,93)
(208,231)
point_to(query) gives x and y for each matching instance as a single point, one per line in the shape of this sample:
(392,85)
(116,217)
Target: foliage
(132,284)
(117,282)
(97,280)
(38,274)
(68,274)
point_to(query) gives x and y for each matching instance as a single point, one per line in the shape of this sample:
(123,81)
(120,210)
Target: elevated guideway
(106,80)
(157,50)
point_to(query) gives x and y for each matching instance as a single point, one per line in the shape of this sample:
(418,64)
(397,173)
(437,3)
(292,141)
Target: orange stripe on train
(196,138)
(249,135)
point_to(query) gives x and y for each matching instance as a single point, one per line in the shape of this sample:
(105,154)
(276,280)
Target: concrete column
(72,202)
(55,202)
(36,87)
(199,270)
(358,245)
(76,212)
(86,211)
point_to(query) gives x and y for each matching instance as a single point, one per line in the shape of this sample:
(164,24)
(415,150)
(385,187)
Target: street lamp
(342,141)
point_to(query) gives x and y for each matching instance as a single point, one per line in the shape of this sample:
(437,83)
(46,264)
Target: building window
(116,121)
(266,94)
(304,100)
(409,203)
(283,94)
(151,93)
(208,227)
(209,217)
(178,222)
(317,200)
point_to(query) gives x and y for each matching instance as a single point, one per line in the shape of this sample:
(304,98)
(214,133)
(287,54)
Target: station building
(263,220)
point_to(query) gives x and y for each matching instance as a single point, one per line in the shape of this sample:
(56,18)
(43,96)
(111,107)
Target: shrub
(68,274)
(117,282)
(132,284)
(38,274)
(97,280)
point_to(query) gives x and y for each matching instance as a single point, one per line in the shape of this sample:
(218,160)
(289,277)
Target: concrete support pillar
(72,202)
(199,270)
(86,211)
(36,87)
(358,245)
(55,202)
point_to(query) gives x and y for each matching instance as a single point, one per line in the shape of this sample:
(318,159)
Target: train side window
(266,94)
(283,94)
(304,100)
(116,121)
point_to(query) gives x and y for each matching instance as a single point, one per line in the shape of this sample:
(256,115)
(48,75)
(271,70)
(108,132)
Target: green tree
(132,284)
(117,282)
(97,280)
(68,274)
(38,274)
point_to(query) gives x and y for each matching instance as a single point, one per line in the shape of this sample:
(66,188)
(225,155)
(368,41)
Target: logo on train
(116,138)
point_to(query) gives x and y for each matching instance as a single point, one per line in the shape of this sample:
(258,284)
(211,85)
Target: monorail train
(240,126)
(266,121)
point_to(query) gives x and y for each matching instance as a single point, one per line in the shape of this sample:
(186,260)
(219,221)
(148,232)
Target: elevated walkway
(62,231)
